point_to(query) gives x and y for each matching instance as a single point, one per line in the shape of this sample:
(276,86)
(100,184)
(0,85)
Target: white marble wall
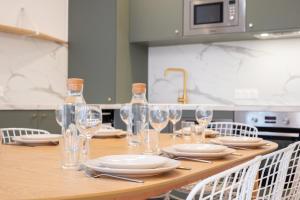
(260,72)
(33,72)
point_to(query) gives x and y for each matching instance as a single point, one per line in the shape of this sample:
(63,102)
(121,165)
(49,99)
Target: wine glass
(88,121)
(65,117)
(203,116)
(159,118)
(175,113)
(59,115)
(125,112)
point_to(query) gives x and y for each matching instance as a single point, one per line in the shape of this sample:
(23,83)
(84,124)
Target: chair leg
(255,188)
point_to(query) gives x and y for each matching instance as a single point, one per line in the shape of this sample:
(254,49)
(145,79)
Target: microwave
(214,16)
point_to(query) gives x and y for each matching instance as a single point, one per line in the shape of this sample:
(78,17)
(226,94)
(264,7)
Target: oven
(280,127)
(214,16)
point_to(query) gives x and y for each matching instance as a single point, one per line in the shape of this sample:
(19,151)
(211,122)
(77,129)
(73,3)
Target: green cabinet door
(269,15)
(47,121)
(18,119)
(155,20)
(92,33)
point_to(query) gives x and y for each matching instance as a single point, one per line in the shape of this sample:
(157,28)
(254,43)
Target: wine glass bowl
(88,119)
(175,113)
(158,116)
(203,116)
(125,111)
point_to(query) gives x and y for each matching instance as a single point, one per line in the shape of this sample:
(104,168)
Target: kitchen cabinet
(100,52)
(154,20)
(39,119)
(272,15)
(160,22)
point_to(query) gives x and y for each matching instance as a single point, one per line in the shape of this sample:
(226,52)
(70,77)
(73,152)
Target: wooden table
(35,173)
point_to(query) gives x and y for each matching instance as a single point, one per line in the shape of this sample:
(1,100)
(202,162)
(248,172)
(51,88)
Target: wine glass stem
(174,130)
(86,148)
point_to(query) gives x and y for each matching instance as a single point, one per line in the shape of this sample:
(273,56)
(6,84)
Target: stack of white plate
(207,151)
(37,139)
(132,165)
(247,142)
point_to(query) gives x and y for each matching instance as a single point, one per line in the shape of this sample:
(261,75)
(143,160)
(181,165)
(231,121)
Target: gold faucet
(183,99)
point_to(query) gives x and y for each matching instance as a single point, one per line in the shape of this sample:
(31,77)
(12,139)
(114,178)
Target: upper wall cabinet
(160,22)
(155,20)
(272,15)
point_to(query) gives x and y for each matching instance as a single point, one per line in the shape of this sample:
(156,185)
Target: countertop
(286,108)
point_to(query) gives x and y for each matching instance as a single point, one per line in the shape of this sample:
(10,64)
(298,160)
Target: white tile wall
(260,72)
(33,72)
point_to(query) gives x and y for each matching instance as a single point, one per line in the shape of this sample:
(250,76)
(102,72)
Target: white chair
(233,129)
(291,190)
(224,129)
(271,175)
(8,133)
(235,183)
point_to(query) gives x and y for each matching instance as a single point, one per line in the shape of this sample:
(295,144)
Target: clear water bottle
(71,136)
(139,114)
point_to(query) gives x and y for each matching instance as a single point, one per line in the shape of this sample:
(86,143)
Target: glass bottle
(139,114)
(71,136)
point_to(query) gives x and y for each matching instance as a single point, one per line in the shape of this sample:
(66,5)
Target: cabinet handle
(34,116)
(176,31)
(109,99)
(44,115)
(250,25)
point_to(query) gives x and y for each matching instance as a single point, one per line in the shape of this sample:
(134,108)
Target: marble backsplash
(33,73)
(259,72)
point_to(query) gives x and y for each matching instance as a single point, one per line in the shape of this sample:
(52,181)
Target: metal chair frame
(235,183)
(7,134)
(271,175)
(291,189)
(233,129)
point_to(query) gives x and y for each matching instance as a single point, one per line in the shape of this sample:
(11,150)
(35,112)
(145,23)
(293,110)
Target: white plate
(132,161)
(233,139)
(199,148)
(42,137)
(108,131)
(246,145)
(172,151)
(17,139)
(118,133)
(168,166)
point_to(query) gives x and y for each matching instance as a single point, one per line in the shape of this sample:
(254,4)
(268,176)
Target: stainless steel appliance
(280,127)
(214,16)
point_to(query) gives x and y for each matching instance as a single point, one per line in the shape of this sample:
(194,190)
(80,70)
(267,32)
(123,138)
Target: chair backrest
(8,133)
(291,190)
(233,129)
(271,175)
(235,183)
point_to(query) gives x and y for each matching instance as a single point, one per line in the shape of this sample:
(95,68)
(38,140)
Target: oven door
(282,136)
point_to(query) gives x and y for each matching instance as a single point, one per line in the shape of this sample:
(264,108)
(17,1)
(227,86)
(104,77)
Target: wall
(33,72)
(233,73)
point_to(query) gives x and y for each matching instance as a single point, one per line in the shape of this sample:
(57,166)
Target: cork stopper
(139,88)
(75,84)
